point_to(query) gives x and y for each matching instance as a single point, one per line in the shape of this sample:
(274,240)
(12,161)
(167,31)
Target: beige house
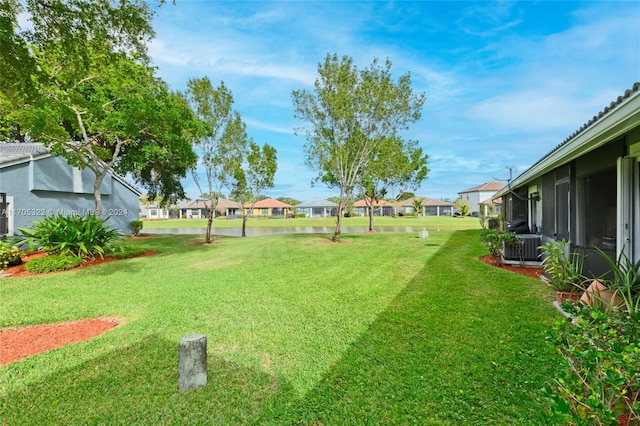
(269,207)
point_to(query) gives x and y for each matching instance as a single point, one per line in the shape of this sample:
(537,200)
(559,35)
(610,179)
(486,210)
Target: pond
(270,230)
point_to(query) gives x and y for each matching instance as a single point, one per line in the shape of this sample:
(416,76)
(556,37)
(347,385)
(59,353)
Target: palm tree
(417,206)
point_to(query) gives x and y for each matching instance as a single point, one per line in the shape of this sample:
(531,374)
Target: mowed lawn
(385,328)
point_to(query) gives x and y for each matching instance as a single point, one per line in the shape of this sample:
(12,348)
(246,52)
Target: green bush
(125,251)
(495,240)
(601,378)
(82,236)
(136,226)
(52,263)
(9,255)
(563,271)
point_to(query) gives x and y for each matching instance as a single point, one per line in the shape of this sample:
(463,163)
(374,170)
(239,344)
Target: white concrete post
(192,362)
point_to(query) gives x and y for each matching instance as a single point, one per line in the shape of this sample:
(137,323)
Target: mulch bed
(21,271)
(20,342)
(533,272)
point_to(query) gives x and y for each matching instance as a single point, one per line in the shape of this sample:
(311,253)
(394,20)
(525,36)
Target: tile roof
(613,105)
(379,203)
(317,203)
(485,187)
(425,202)
(12,152)
(269,203)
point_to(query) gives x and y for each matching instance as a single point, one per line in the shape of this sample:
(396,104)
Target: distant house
(34,183)
(318,208)
(189,208)
(269,207)
(380,208)
(491,207)
(478,194)
(197,208)
(430,207)
(587,189)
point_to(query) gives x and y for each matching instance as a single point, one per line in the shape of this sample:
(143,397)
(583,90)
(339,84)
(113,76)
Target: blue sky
(505,81)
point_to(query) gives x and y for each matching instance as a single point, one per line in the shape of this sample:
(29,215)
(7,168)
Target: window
(598,196)
(265,212)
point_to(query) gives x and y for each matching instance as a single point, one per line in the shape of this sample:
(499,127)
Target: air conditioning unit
(528,250)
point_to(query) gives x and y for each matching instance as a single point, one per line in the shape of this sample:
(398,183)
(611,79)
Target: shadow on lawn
(137,385)
(442,353)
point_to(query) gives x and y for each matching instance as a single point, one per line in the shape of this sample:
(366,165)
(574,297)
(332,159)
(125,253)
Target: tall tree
(349,115)
(396,164)
(221,148)
(87,91)
(252,177)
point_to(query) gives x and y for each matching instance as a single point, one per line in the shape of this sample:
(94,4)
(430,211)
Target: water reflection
(270,230)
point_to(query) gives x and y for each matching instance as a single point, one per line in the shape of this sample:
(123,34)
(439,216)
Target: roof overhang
(620,120)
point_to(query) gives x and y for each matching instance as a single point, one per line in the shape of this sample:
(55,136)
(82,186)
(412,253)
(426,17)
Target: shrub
(563,271)
(136,227)
(495,240)
(9,255)
(52,263)
(125,252)
(80,236)
(601,378)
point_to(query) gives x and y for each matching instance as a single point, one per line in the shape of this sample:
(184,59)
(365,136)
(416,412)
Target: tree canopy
(350,115)
(223,144)
(80,83)
(252,177)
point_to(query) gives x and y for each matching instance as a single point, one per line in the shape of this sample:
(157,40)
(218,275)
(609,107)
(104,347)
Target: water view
(269,230)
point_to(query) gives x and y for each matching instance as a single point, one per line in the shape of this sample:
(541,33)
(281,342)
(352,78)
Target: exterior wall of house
(592,200)
(49,186)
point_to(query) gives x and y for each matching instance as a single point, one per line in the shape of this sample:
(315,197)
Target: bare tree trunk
(207,238)
(97,195)
(244,225)
(371,211)
(341,203)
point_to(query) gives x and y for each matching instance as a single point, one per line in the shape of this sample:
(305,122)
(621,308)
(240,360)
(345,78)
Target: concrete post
(192,362)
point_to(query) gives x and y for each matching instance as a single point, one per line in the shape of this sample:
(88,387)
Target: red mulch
(20,270)
(530,272)
(22,342)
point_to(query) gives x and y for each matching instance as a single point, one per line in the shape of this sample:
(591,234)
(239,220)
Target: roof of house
(615,119)
(485,187)
(270,203)
(363,203)
(317,203)
(16,153)
(223,204)
(427,202)
(490,201)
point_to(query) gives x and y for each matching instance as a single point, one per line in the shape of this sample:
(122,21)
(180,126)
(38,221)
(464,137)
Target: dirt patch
(21,271)
(17,343)
(532,272)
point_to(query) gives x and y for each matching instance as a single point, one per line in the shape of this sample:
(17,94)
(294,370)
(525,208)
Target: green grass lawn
(386,328)
(443,223)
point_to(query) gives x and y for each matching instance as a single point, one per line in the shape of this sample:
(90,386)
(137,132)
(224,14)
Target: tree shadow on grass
(463,343)
(138,385)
